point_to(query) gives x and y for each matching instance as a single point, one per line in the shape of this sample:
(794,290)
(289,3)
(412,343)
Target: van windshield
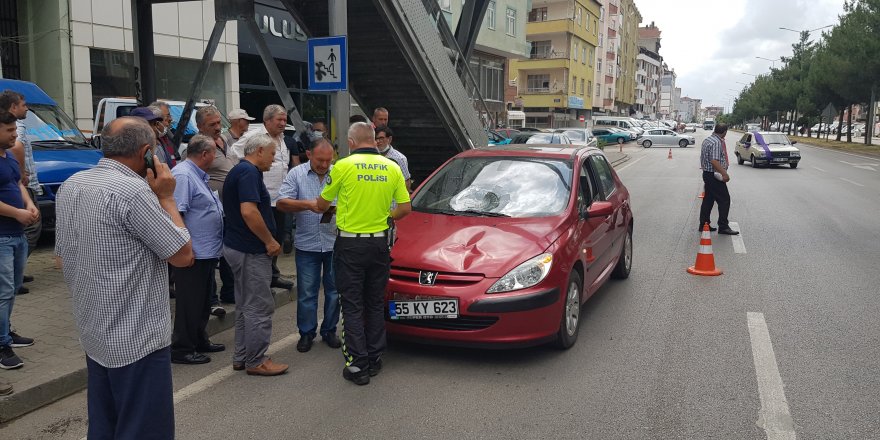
(49,123)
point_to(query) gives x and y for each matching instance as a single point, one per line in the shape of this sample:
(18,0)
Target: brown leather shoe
(238,366)
(267,368)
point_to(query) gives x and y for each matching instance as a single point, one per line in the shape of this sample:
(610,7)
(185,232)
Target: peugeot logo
(427,278)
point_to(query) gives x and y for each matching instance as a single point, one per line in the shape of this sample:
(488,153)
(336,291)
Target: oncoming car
(767,148)
(505,244)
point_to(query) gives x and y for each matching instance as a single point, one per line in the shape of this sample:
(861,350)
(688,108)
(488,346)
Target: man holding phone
(315,237)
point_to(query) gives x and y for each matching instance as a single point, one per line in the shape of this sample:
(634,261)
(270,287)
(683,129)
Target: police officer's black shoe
(356,375)
(375,367)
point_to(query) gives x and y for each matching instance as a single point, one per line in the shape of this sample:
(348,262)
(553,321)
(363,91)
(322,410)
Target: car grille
(443,278)
(781,153)
(462,323)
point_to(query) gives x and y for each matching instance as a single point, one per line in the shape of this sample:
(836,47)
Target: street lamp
(749,74)
(808,32)
(772,61)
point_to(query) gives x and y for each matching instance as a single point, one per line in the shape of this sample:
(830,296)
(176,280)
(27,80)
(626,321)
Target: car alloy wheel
(646,144)
(571,313)
(624,263)
(752,160)
(683,143)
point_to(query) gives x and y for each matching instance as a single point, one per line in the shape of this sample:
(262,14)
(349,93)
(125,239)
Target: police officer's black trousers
(362,266)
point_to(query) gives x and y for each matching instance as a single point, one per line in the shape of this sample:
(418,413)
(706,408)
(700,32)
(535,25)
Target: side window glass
(748,138)
(606,185)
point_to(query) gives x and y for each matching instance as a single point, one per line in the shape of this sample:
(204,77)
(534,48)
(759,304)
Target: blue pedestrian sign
(328,64)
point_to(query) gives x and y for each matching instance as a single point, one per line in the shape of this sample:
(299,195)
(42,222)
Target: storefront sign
(286,40)
(575,102)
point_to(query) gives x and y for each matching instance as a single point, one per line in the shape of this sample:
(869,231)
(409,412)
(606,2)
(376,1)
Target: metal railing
(461,64)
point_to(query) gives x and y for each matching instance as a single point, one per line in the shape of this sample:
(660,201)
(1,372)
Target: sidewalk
(55,366)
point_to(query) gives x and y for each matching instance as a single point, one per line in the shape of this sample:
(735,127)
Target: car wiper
(482,213)
(60,142)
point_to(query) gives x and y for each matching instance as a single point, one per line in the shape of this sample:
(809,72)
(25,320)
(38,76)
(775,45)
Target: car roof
(33,94)
(556,151)
(766,132)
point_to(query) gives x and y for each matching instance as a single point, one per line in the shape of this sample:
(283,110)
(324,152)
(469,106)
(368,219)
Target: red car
(505,244)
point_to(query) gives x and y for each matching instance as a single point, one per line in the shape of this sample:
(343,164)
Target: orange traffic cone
(705,264)
(670,154)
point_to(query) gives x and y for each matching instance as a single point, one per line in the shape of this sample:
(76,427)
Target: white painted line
(630,164)
(820,169)
(837,151)
(850,181)
(739,247)
(774,417)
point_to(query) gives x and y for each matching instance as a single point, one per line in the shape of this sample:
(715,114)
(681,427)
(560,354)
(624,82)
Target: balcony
(612,9)
(609,79)
(552,60)
(564,25)
(612,33)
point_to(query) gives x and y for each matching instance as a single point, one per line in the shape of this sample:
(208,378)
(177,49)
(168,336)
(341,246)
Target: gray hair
(361,132)
(198,144)
(272,110)
(379,110)
(256,142)
(160,104)
(124,137)
(157,110)
(204,112)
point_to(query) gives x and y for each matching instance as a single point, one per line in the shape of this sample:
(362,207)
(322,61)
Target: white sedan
(662,136)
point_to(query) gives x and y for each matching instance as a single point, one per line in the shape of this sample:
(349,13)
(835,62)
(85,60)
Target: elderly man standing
(203,216)
(117,225)
(249,246)
(238,120)
(315,237)
(208,123)
(274,122)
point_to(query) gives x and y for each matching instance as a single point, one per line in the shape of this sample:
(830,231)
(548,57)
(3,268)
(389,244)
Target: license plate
(434,309)
(780,159)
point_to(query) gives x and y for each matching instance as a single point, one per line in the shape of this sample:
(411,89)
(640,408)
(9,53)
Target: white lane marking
(221,375)
(837,151)
(774,417)
(739,247)
(850,181)
(820,169)
(630,164)
(863,166)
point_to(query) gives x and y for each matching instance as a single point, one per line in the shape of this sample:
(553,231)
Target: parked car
(541,138)
(504,245)
(497,139)
(690,128)
(666,137)
(530,129)
(609,135)
(767,148)
(579,136)
(59,148)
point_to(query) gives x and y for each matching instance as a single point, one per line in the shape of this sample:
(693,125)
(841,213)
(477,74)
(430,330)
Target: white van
(112,108)
(623,122)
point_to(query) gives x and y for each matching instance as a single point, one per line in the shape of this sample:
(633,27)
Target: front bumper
(777,160)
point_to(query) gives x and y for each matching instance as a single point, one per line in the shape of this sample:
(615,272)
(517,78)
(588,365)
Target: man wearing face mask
(383,143)
(153,116)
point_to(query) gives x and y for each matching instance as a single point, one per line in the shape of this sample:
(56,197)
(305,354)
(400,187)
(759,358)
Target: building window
(599,67)
(537,14)
(610,93)
(490,15)
(601,40)
(582,86)
(538,83)
(595,27)
(574,53)
(574,86)
(589,87)
(587,23)
(584,55)
(541,49)
(602,13)
(577,16)
(511,22)
(445,5)
(592,55)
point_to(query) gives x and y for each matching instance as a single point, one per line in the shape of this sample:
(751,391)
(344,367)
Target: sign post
(328,70)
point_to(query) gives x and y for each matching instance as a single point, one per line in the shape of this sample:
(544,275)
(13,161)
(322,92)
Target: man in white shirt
(274,122)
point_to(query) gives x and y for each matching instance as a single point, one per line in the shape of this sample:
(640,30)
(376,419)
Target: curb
(36,397)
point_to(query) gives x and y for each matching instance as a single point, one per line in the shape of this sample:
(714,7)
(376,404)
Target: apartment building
(667,93)
(649,66)
(690,110)
(616,58)
(626,58)
(554,86)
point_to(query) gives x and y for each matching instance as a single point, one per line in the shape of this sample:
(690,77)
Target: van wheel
(646,144)
(571,313)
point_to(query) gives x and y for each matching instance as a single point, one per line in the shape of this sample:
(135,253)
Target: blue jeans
(13,257)
(308,281)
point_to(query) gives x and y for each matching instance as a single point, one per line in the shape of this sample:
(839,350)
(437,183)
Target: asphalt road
(785,343)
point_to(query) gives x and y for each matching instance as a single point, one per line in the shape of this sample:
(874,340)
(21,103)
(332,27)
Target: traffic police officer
(364,184)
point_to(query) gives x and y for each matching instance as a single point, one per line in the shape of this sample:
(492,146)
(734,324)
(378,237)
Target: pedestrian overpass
(402,55)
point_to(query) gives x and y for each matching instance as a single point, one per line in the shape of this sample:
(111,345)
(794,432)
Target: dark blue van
(60,149)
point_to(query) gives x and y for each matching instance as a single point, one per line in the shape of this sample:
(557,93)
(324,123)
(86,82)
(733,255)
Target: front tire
(571,313)
(646,144)
(752,160)
(739,159)
(624,263)
(683,143)
(793,164)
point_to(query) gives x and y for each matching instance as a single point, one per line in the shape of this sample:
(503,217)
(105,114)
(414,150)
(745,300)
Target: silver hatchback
(662,136)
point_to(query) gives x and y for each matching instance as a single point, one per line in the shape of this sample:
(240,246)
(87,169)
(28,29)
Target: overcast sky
(710,43)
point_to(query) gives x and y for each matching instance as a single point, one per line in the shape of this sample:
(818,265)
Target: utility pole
(341,101)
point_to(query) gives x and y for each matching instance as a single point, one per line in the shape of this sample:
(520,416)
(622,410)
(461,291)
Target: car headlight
(525,275)
(795,154)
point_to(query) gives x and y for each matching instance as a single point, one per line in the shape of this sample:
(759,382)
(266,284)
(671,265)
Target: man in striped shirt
(714,162)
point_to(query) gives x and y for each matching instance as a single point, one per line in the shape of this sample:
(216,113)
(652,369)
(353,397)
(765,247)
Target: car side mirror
(96,142)
(599,209)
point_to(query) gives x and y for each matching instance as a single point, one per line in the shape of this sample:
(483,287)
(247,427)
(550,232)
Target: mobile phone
(148,159)
(328,214)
